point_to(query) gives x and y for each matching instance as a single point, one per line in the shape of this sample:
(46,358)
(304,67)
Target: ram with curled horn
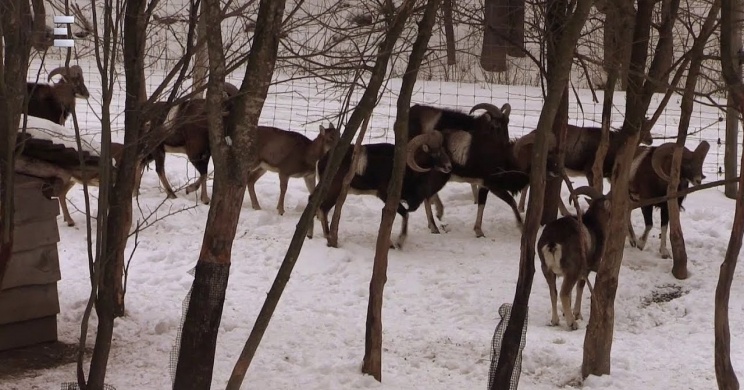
(481,152)
(571,247)
(55,102)
(649,178)
(428,168)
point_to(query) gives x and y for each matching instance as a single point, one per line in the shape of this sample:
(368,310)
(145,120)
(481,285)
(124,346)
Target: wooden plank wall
(28,299)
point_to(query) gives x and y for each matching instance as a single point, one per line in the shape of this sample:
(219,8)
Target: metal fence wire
(498,337)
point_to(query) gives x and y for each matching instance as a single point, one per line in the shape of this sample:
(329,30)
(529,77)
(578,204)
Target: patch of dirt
(664,293)
(19,361)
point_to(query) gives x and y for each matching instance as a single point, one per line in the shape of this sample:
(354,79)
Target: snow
(441,298)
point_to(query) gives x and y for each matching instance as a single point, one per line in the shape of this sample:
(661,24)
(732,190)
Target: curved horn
(75,70)
(62,71)
(230,89)
(658,156)
(490,108)
(506,110)
(413,145)
(588,191)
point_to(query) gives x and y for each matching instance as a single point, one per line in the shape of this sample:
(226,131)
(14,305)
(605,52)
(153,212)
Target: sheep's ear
(321,129)
(425,148)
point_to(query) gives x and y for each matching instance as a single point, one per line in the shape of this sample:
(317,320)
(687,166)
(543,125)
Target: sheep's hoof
(256,207)
(578,316)
(280,211)
(478,232)
(665,254)
(554,321)
(70,223)
(573,326)
(433,229)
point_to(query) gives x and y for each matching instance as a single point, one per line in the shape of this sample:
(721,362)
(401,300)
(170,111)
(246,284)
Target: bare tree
(561,72)
(233,147)
(15,46)
(599,333)
(725,374)
(372,362)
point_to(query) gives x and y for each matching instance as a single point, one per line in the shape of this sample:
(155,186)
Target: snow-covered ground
(441,299)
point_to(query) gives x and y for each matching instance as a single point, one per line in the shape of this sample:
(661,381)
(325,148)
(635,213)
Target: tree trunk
(725,374)
(341,199)
(110,298)
(730,159)
(512,335)
(363,109)
(232,147)
(600,329)
(372,362)
(201,64)
(15,47)
(676,238)
(556,16)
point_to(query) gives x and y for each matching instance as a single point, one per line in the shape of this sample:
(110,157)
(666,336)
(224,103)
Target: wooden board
(30,203)
(36,266)
(35,331)
(28,302)
(35,234)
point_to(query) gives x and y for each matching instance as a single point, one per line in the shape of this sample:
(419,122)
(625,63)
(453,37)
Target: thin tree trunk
(15,46)
(232,147)
(372,362)
(676,237)
(364,108)
(336,219)
(600,329)
(201,57)
(725,374)
(513,333)
(730,159)
(556,16)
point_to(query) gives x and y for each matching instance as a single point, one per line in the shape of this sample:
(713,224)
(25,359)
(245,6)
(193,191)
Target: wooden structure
(28,299)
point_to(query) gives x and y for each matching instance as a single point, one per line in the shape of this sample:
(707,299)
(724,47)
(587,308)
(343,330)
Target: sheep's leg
(430,217)
(438,205)
(506,197)
(568,283)
(631,231)
(252,179)
(522,199)
(138,179)
(474,188)
(577,302)
(482,196)
(160,169)
(664,229)
(550,278)
(62,196)
(283,182)
(403,227)
(202,166)
(648,219)
(310,184)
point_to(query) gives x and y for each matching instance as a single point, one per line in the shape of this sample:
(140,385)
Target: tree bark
(15,47)
(232,146)
(725,374)
(730,159)
(372,362)
(512,336)
(110,298)
(556,16)
(676,237)
(600,329)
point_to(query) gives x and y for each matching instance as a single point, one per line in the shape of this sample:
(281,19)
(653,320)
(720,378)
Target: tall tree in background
(15,47)
(642,84)
(233,151)
(565,47)
(725,374)
(372,363)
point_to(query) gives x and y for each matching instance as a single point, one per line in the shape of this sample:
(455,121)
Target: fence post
(731,153)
